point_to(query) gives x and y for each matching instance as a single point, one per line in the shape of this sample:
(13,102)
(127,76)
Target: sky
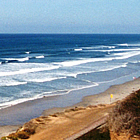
(70,16)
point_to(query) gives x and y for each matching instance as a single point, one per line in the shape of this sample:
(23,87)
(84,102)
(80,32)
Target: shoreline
(123,90)
(119,92)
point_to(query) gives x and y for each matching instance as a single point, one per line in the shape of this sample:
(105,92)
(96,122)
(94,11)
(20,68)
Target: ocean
(33,66)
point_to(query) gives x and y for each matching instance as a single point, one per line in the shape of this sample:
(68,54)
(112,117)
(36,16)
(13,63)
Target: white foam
(130,44)
(124,44)
(116,50)
(78,49)
(13,83)
(15,102)
(39,57)
(18,59)
(114,67)
(23,59)
(90,70)
(91,48)
(126,55)
(97,47)
(46,94)
(135,49)
(27,52)
(67,91)
(4,100)
(45,79)
(137,44)
(111,47)
(27,70)
(135,62)
(82,61)
(73,74)
(89,86)
(10,81)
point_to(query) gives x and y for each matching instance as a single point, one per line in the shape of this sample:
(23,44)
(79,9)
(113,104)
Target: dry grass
(125,118)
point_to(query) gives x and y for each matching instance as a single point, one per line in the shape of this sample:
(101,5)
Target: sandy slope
(63,125)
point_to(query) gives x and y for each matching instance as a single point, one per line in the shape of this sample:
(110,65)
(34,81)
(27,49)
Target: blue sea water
(36,65)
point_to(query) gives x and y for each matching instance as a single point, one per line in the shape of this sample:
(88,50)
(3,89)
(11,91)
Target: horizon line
(80,33)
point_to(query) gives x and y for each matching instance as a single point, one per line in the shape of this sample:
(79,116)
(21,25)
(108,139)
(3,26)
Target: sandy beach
(85,115)
(119,92)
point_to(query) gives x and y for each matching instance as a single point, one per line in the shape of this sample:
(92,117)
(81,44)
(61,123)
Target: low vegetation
(125,117)
(24,134)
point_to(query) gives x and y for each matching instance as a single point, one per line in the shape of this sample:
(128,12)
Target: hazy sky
(70,16)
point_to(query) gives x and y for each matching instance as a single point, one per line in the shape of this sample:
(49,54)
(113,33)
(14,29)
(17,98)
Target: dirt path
(71,124)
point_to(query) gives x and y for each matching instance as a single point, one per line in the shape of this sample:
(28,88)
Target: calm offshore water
(36,65)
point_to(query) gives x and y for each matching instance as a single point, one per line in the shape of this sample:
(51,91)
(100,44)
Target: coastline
(119,92)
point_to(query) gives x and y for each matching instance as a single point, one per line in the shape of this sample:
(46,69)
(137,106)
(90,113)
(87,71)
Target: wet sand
(6,130)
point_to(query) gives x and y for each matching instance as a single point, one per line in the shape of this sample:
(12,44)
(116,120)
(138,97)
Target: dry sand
(62,125)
